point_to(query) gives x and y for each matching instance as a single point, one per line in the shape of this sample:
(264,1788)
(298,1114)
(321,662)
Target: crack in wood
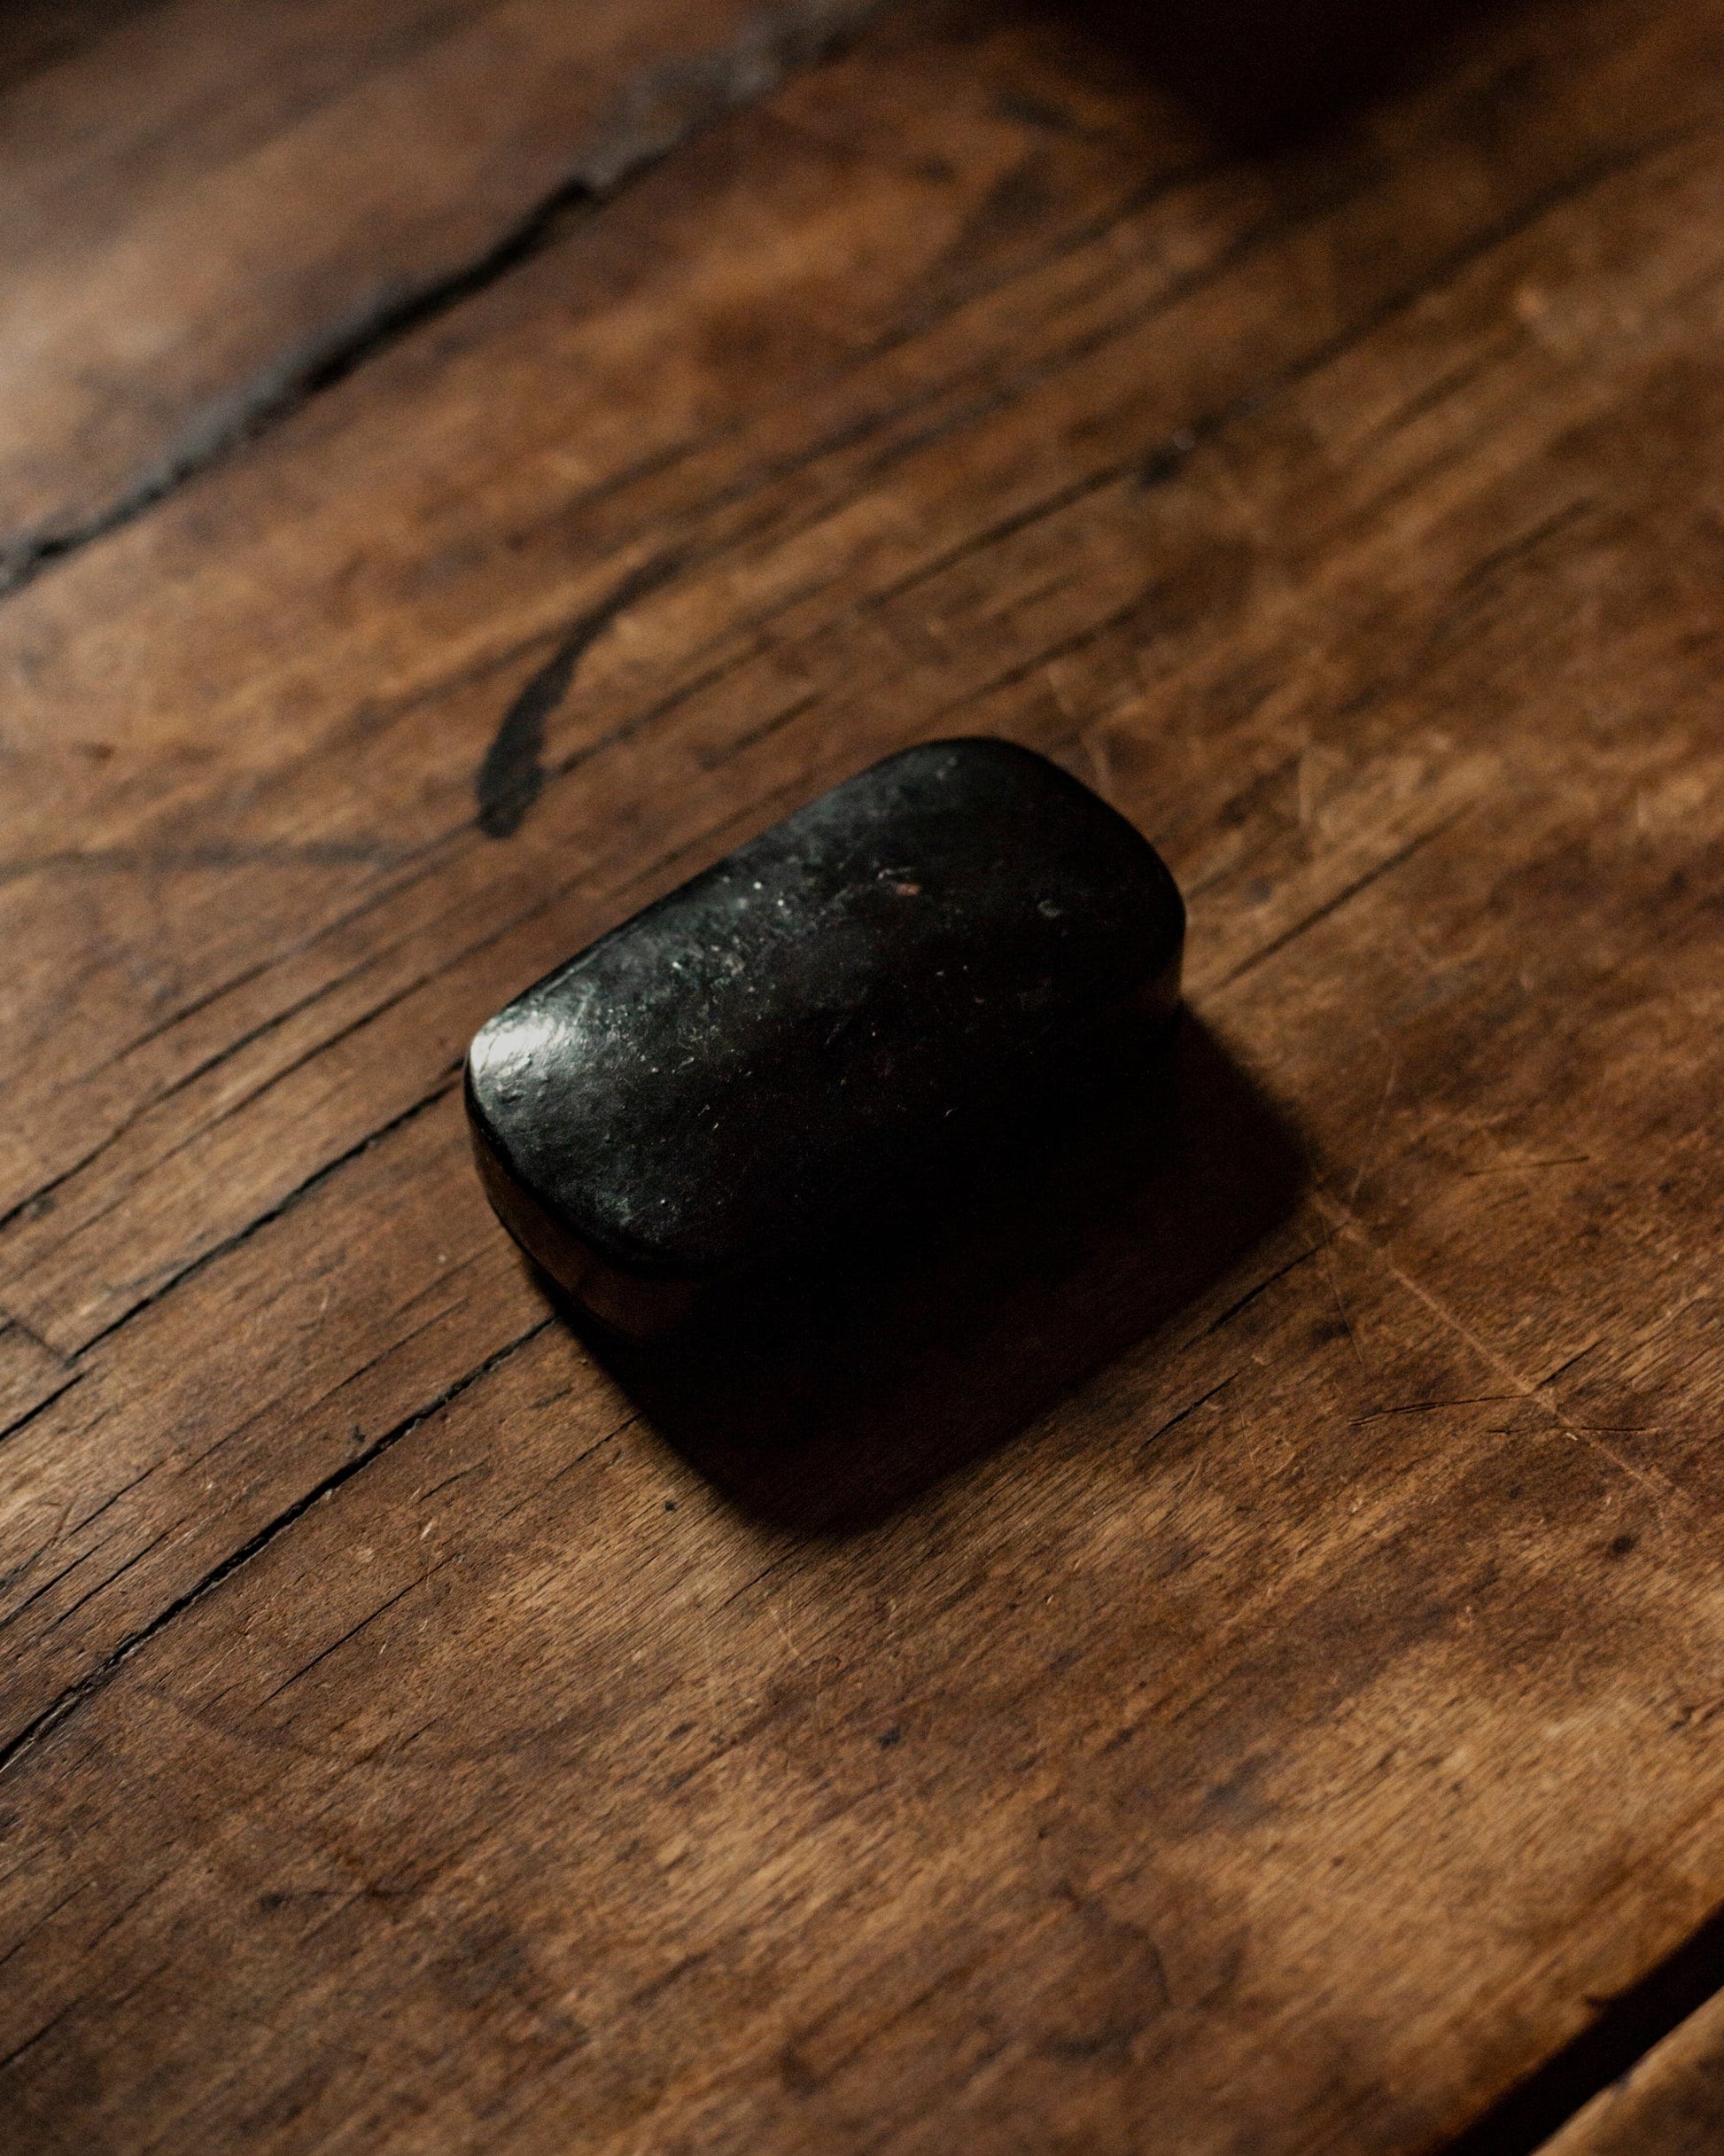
(70,1700)
(300,1191)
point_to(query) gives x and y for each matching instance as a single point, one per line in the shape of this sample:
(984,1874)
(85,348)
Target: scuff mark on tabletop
(512,774)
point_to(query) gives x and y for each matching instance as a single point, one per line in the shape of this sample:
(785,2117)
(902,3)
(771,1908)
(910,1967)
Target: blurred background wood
(213,210)
(1241,1679)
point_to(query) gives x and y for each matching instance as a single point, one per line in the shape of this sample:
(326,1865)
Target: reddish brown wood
(1289,1710)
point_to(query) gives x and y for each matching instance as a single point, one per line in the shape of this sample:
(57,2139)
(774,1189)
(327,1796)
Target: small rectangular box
(796,1039)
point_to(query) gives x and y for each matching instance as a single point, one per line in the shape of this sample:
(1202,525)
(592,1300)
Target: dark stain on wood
(512,772)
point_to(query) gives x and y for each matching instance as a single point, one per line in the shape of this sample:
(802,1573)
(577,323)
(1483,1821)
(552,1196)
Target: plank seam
(1620,2032)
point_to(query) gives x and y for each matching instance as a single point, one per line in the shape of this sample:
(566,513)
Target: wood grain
(210,208)
(1277,1710)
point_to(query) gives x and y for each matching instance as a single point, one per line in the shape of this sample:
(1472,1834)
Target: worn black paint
(801,1037)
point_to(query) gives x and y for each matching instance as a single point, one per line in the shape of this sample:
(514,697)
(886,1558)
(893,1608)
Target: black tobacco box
(799,1040)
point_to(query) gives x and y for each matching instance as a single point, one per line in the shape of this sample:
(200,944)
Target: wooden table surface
(1222,1651)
